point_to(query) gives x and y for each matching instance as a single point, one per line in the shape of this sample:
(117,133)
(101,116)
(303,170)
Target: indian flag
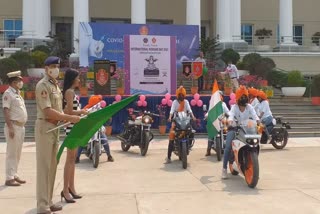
(215,110)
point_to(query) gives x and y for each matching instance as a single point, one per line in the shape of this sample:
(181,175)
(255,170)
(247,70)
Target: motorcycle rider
(93,100)
(253,100)
(241,111)
(265,113)
(225,112)
(178,105)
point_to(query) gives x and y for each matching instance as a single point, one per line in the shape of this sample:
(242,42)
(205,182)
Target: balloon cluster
(117,98)
(167,100)
(196,100)
(232,100)
(103,103)
(142,101)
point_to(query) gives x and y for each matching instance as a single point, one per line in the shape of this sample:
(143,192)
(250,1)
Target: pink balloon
(199,103)
(196,96)
(164,101)
(232,102)
(139,103)
(144,103)
(118,97)
(167,96)
(169,103)
(232,96)
(103,103)
(142,97)
(193,102)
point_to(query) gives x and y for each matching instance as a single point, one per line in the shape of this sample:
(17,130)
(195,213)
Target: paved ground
(289,183)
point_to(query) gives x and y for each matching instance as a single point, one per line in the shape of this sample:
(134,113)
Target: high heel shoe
(75,196)
(67,200)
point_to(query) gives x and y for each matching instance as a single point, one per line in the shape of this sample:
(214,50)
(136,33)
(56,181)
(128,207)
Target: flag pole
(64,124)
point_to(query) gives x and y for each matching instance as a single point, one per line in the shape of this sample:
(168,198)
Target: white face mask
(20,84)
(53,72)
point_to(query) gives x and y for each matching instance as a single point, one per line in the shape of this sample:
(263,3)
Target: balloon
(142,97)
(144,103)
(199,103)
(169,103)
(167,96)
(103,103)
(139,103)
(232,96)
(164,101)
(232,102)
(193,102)
(204,70)
(118,97)
(196,96)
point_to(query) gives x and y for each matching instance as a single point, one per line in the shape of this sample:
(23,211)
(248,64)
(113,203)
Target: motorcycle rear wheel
(251,172)
(184,156)
(124,146)
(145,143)
(283,143)
(96,154)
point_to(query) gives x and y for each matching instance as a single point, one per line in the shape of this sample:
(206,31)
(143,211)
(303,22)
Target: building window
(298,34)
(203,32)
(13,28)
(246,33)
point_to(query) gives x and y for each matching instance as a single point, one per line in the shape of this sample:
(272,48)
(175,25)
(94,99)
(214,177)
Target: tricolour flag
(215,110)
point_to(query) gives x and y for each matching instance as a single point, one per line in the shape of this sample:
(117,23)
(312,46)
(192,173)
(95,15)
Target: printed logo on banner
(154,40)
(144,30)
(102,77)
(145,40)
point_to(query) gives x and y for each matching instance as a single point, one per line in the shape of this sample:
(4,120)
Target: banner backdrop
(105,41)
(151,61)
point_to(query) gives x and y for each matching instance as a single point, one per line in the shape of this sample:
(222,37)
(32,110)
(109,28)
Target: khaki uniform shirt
(48,95)
(12,100)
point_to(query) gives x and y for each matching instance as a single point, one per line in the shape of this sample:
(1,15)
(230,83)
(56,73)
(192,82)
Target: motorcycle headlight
(146,119)
(252,141)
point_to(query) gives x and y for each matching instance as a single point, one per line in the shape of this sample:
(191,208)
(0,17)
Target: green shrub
(251,60)
(241,65)
(263,67)
(230,55)
(42,48)
(277,78)
(7,65)
(295,79)
(315,86)
(38,58)
(23,59)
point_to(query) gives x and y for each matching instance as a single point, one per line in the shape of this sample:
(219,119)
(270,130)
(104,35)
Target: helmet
(94,99)
(242,90)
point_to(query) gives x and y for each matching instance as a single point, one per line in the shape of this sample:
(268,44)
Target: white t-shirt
(255,104)
(175,106)
(232,71)
(265,109)
(248,113)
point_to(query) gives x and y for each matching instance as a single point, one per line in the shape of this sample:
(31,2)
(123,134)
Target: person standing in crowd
(71,106)
(204,64)
(15,115)
(232,70)
(265,113)
(49,113)
(178,105)
(253,100)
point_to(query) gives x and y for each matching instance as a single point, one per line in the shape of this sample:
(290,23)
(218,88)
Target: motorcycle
(94,147)
(137,131)
(219,142)
(184,137)
(278,134)
(245,148)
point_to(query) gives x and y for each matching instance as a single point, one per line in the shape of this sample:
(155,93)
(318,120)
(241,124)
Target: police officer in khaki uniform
(15,115)
(49,113)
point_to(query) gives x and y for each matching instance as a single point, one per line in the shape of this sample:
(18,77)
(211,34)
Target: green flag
(82,131)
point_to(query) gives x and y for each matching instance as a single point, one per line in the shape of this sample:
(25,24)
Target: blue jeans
(104,142)
(227,150)
(268,123)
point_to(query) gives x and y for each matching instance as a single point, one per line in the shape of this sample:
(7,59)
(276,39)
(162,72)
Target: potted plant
(316,40)
(295,84)
(162,118)
(263,34)
(315,90)
(227,88)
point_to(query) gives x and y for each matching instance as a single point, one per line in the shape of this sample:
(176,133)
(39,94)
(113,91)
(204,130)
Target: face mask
(20,84)
(54,72)
(243,101)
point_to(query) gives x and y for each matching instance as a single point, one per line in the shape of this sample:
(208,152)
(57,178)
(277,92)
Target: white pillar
(235,19)
(42,18)
(194,13)
(80,14)
(286,22)
(223,20)
(138,11)
(28,18)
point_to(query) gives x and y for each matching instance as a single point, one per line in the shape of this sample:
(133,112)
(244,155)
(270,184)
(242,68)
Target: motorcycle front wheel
(96,154)
(145,143)
(279,138)
(251,172)
(184,156)
(124,146)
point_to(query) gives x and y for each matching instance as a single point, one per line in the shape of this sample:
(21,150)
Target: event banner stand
(102,77)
